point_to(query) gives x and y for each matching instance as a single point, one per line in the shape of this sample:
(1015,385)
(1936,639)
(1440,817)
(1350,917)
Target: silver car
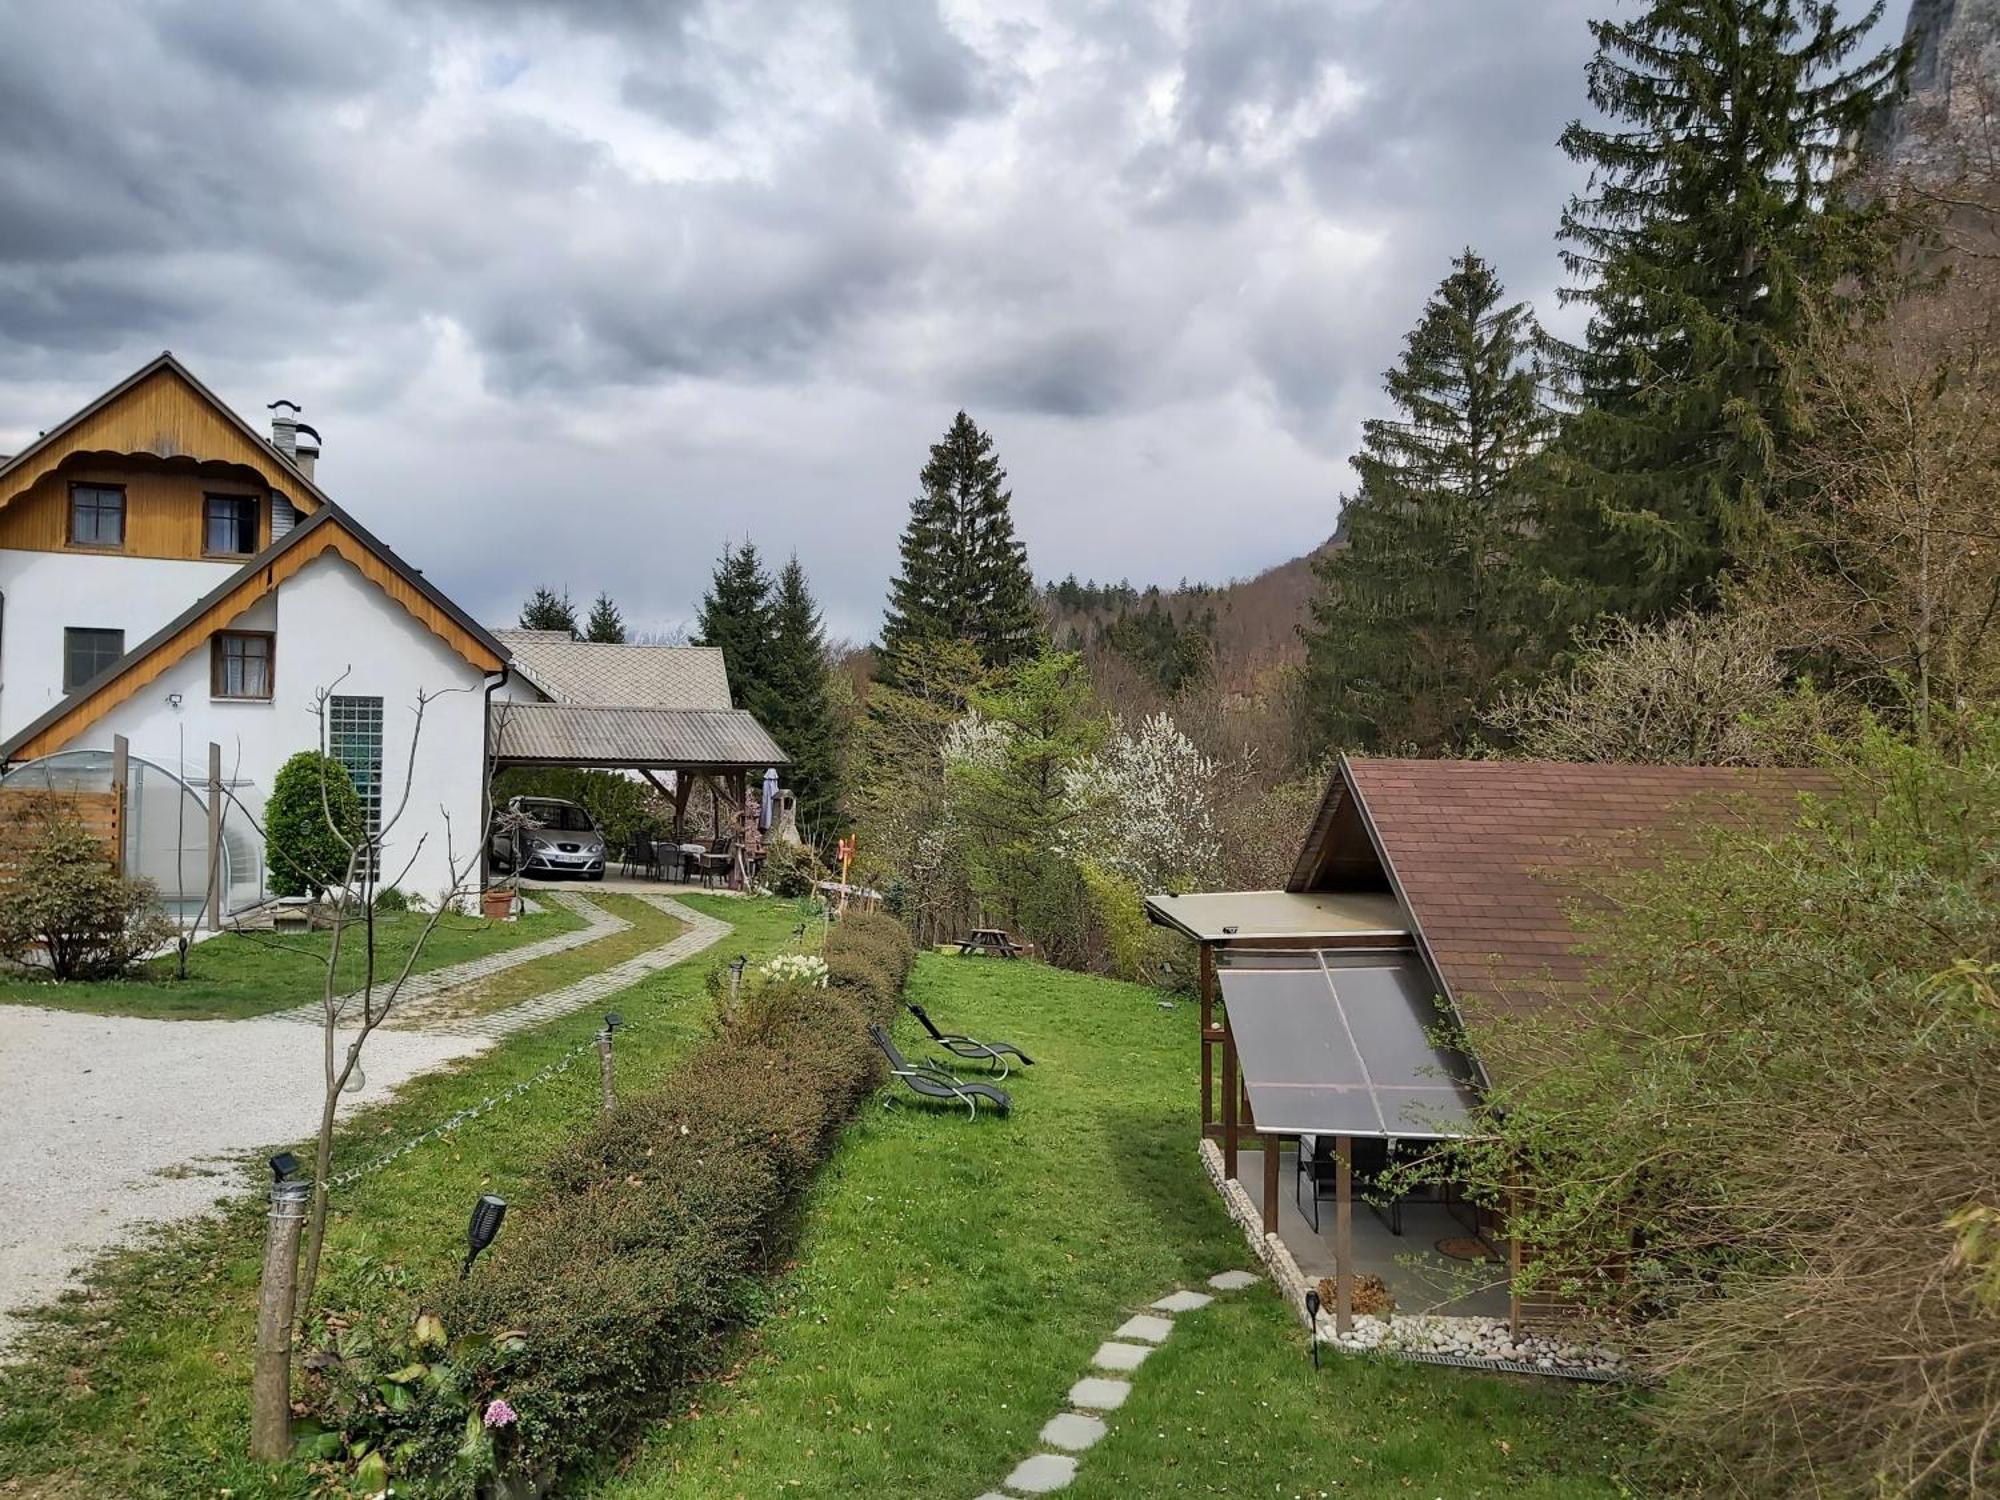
(559,838)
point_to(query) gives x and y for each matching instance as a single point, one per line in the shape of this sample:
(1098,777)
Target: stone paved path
(597,923)
(113,1123)
(1070,1434)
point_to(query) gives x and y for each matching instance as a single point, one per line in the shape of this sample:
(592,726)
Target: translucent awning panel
(1337,1042)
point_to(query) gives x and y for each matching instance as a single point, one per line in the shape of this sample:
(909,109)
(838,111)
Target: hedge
(652,1235)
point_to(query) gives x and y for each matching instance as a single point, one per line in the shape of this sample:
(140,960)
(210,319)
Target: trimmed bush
(303,852)
(650,1238)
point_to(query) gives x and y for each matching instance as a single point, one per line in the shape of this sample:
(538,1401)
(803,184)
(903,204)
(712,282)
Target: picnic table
(995,942)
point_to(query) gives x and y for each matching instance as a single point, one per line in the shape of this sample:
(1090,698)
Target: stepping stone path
(1079,1429)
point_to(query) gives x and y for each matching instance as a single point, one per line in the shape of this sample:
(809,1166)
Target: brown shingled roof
(1489,856)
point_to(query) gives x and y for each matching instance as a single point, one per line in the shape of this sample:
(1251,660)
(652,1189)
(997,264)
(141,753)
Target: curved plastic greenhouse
(165,828)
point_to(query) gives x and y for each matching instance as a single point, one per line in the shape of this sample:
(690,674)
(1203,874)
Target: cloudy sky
(576,293)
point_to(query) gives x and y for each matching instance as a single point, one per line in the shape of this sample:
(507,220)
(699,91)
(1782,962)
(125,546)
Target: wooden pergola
(1297,930)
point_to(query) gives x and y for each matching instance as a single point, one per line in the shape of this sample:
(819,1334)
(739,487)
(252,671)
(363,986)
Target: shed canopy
(1245,916)
(653,739)
(1337,1042)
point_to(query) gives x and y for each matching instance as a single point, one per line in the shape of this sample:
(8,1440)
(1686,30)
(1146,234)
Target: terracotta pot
(497,904)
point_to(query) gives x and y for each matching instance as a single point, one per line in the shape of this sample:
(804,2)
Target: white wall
(330,620)
(47,592)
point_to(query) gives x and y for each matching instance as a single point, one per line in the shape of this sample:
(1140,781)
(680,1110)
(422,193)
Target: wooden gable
(164,413)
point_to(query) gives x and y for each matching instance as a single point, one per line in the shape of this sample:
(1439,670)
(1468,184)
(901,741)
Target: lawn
(238,975)
(140,1389)
(951,1282)
(954,1279)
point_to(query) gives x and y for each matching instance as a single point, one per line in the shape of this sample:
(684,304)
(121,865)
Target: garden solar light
(486,1216)
(283,1165)
(1312,1313)
(612,1020)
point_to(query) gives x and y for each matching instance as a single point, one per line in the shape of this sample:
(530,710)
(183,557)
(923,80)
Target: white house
(170,575)
(171,580)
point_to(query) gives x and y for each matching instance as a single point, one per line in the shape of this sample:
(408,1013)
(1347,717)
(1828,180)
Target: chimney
(305,448)
(284,426)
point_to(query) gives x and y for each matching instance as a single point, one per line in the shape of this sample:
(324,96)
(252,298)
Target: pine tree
(1420,611)
(606,624)
(548,610)
(736,616)
(1719,199)
(799,706)
(964,575)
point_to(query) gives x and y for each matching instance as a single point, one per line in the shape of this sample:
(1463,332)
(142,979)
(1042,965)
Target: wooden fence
(26,812)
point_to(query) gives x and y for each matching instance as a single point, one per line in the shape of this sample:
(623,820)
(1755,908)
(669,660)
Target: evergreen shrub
(649,1236)
(303,849)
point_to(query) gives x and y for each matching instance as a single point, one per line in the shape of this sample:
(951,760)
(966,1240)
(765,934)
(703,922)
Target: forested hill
(1242,630)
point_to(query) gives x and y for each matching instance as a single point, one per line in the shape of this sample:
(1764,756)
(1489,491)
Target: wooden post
(604,1068)
(215,837)
(1513,1273)
(683,784)
(1343,1234)
(271,1372)
(1229,1099)
(1207,1024)
(121,775)
(1270,1184)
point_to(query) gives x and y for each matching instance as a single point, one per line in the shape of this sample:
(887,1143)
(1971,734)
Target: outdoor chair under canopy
(992,1053)
(933,1082)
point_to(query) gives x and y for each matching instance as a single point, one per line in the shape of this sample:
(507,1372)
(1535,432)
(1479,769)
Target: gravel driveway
(94,1109)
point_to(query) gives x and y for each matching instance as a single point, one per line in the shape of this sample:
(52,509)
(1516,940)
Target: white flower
(808,969)
(1145,807)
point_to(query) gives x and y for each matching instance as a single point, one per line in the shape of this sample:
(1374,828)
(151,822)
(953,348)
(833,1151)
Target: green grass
(951,1283)
(236,976)
(140,1388)
(955,1278)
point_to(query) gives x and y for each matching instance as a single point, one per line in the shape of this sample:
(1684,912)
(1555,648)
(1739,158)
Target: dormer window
(97,515)
(229,526)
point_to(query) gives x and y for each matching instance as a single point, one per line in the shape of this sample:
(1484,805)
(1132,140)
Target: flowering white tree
(1146,807)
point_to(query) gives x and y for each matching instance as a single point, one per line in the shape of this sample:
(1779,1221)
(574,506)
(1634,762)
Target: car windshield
(563,817)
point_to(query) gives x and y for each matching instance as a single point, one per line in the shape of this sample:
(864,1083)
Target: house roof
(328,529)
(1489,857)
(619,676)
(19,470)
(1239,918)
(677,739)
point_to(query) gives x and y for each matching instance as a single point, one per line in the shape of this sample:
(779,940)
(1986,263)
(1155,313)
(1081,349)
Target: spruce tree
(1720,197)
(548,610)
(606,624)
(736,616)
(800,711)
(964,575)
(1420,611)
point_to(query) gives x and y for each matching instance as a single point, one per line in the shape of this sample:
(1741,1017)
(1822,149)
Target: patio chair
(932,1082)
(1371,1157)
(719,860)
(640,857)
(994,1054)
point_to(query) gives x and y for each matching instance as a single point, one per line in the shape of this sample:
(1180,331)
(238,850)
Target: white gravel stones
(1180,1302)
(1116,1356)
(1073,1432)
(1095,1393)
(1486,1339)
(1233,1281)
(1147,1329)
(1042,1474)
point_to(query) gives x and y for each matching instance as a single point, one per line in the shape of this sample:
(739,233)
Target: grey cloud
(926,75)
